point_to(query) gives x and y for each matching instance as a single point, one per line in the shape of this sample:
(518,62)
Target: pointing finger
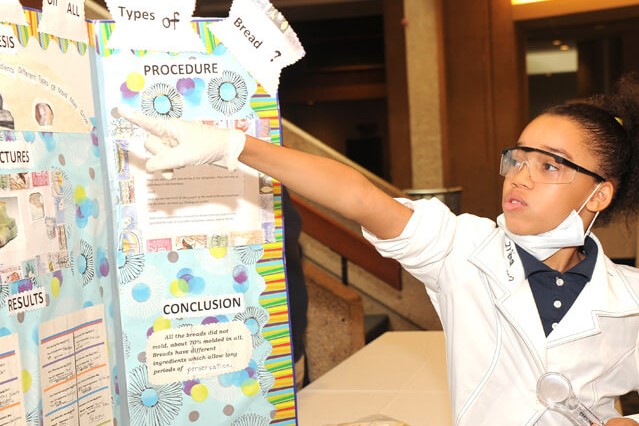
(151,125)
(155,145)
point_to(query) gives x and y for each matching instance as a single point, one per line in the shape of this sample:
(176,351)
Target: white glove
(176,143)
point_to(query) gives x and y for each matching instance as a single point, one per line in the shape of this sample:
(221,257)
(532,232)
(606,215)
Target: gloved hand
(176,143)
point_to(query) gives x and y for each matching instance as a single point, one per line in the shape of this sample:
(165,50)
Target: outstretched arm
(619,421)
(177,143)
(331,184)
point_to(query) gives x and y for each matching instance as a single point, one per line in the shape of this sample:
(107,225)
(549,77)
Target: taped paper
(159,25)
(11,12)
(64,19)
(261,39)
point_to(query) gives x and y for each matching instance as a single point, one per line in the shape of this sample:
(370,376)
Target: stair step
(375,325)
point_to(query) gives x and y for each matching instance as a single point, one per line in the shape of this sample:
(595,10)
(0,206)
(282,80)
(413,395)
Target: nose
(521,177)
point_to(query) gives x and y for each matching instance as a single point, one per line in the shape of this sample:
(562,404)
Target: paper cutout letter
(162,25)
(64,19)
(11,12)
(261,39)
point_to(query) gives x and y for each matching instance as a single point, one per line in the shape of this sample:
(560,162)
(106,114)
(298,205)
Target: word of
(166,22)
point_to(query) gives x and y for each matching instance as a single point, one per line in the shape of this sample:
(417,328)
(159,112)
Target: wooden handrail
(347,243)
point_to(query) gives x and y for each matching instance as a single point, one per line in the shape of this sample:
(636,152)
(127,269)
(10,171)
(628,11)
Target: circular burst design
(86,262)
(30,380)
(33,417)
(228,94)
(252,419)
(152,405)
(225,394)
(162,101)
(143,297)
(62,188)
(130,266)
(262,352)
(254,319)
(249,255)
(265,378)
(67,189)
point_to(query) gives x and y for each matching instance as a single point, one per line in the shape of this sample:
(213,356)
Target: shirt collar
(586,267)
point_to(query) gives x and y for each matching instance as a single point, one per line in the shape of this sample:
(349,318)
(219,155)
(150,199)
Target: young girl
(528,294)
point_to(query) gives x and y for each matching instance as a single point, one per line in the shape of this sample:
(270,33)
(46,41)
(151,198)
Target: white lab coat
(495,343)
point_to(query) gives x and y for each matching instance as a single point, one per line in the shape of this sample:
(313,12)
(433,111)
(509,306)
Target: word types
(136,15)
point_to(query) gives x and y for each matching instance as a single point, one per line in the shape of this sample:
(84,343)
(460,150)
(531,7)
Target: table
(401,374)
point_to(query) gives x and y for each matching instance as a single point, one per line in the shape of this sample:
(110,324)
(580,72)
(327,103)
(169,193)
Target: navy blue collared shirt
(553,291)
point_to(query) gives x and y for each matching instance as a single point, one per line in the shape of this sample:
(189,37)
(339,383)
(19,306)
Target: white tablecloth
(401,375)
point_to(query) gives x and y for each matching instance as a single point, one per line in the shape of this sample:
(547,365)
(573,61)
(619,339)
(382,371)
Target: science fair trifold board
(127,298)
(56,366)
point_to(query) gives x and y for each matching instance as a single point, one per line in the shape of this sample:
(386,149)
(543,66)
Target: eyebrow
(558,151)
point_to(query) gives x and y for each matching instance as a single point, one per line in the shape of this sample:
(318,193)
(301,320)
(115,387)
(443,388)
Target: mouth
(513,203)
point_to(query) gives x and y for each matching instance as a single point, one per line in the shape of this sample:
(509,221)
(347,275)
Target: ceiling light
(525,1)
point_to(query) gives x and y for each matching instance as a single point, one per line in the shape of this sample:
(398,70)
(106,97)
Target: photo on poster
(8,225)
(32,228)
(36,206)
(6,117)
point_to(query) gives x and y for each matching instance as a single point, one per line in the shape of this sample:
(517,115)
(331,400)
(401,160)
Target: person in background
(529,293)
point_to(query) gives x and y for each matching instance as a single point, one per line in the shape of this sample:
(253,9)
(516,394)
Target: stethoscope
(555,392)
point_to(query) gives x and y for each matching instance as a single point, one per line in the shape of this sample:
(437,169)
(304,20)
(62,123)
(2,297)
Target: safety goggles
(543,166)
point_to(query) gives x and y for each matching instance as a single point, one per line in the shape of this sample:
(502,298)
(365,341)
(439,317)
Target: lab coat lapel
(512,294)
(607,294)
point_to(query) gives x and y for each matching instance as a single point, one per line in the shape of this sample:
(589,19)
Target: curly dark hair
(611,123)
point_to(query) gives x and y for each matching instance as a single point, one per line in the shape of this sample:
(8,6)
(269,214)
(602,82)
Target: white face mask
(569,233)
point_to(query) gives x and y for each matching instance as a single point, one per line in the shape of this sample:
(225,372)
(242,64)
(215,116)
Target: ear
(602,198)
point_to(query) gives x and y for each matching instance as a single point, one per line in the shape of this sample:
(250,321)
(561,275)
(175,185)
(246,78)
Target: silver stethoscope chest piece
(555,392)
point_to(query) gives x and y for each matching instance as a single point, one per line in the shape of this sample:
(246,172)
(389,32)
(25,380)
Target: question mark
(277,55)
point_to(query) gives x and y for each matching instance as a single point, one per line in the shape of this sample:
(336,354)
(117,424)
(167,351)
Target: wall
(425,82)
(335,122)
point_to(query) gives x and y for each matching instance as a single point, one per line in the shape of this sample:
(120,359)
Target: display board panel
(126,297)
(58,336)
(201,274)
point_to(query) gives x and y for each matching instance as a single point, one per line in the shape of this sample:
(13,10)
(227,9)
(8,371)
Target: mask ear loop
(584,205)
